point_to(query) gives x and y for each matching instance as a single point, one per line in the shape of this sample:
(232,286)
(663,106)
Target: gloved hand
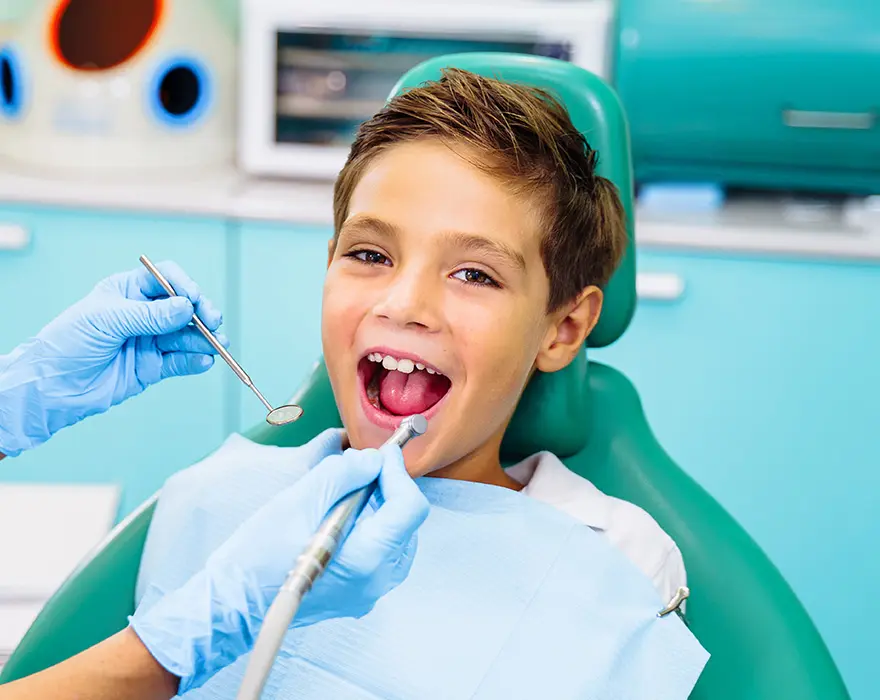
(124,336)
(215,617)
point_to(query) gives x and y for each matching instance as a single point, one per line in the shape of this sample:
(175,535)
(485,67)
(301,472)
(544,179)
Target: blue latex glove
(124,336)
(215,617)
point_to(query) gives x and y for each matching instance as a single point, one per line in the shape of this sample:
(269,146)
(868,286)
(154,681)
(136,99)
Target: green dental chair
(763,644)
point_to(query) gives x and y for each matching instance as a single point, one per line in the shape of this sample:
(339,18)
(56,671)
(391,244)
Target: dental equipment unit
(282,415)
(310,565)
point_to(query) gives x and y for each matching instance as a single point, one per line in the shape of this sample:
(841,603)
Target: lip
(404,356)
(384,420)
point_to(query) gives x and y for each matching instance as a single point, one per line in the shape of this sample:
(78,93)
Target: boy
(471,240)
(472,237)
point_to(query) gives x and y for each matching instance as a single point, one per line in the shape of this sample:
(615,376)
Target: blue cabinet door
(277,328)
(139,443)
(763,381)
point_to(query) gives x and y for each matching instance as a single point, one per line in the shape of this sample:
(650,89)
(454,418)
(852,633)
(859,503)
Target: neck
(483,466)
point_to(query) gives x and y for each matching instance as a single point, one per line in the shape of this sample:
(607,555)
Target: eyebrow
(371,224)
(489,246)
(468,241)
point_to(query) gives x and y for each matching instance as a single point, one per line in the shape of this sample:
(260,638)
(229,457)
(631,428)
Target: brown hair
(525,137)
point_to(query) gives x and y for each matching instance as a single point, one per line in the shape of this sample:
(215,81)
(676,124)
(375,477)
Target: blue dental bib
(507,598)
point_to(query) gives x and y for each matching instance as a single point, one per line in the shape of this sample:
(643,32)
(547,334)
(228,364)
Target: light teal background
(761,381)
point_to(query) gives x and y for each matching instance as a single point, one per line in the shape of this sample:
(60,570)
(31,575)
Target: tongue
(407,394)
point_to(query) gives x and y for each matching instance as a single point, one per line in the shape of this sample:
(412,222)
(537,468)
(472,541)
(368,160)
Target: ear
(331,248)
(569,331)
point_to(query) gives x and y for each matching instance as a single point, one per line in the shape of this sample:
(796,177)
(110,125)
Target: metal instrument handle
(203,329)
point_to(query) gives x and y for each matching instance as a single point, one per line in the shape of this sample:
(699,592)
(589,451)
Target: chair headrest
(554,411)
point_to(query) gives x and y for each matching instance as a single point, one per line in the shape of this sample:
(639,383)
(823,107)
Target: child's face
(438,264)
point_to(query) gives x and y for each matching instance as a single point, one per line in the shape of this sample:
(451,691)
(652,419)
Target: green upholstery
(764,645)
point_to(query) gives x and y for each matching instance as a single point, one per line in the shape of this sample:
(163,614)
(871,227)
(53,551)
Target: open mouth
(400,386)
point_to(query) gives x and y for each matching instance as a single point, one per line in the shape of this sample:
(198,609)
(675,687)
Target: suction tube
(309,567)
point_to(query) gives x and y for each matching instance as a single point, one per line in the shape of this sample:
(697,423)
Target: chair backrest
(555,407)
(763,644)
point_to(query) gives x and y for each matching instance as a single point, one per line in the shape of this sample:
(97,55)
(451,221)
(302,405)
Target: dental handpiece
(310,565)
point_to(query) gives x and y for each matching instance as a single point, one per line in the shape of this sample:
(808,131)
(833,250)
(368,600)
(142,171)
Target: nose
(411,300)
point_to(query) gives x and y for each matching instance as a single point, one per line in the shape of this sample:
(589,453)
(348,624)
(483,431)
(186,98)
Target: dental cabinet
(746,93)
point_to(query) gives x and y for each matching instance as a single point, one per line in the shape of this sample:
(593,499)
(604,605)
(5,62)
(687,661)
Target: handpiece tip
(418,424)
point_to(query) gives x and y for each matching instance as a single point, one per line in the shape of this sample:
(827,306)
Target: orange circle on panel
(98,35)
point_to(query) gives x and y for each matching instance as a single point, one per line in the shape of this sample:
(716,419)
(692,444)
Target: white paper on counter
(45,531)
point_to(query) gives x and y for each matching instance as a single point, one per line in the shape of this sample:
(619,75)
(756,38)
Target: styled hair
(525,138)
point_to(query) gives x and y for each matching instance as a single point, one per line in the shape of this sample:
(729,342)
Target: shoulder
(629,528)
(642,539)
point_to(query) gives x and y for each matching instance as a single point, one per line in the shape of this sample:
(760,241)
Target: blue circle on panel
(11,82)
(180,92)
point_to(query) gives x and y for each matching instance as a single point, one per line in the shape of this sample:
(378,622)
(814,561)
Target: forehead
(425,187)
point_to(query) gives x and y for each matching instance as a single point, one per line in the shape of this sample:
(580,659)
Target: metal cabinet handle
(14,237)
(804,119)
(659,286)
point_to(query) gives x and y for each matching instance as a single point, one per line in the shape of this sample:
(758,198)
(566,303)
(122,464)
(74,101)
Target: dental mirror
(284,414)
(276,416)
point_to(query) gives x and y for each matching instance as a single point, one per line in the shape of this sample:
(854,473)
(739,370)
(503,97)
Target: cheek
(341,312)
(498,347)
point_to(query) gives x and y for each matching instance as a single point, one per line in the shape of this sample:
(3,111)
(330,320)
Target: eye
(476,277)
(11,83)
(180,92)
(369,257)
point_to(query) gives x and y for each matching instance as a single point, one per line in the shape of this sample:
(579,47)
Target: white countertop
(767,225)
(772,225)
(224,193)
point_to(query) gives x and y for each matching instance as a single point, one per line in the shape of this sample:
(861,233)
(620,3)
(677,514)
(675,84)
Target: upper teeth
(403,365)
